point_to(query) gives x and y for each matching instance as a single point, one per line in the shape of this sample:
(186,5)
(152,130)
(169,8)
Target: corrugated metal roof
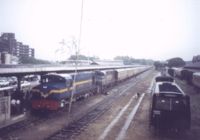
(192,65)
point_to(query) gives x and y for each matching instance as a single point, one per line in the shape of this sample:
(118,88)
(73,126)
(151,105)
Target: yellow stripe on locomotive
(60,91)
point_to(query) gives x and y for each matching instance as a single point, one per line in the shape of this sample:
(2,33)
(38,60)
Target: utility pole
(76,47)
(74,78)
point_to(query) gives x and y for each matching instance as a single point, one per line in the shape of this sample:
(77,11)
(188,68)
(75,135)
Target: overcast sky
(151,29)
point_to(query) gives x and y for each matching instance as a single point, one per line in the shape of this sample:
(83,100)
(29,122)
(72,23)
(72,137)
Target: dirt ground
(123,121)
(139,126)
(97,129)
(49,126)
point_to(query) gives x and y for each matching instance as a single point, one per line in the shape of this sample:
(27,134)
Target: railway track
(79,123)
(5,133)
(77,126)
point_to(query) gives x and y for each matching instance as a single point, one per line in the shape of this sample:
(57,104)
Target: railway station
(107,103)
(99,70)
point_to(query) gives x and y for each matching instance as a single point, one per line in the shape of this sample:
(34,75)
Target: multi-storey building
(9,44)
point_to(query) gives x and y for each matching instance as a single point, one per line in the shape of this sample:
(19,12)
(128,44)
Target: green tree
(126,59)
(176,62)
(129,60)
(31,60)
(83,57)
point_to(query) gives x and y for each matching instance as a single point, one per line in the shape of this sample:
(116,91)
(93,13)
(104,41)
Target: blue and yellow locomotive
(55,89)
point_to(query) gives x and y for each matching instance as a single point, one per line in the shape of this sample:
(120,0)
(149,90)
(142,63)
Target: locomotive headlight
(177,102)
(44,87)
(13,101)
(18,102)
(156,112)
(62,104)
(162,101)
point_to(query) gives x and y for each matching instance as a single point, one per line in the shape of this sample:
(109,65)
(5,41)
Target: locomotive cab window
(53,79)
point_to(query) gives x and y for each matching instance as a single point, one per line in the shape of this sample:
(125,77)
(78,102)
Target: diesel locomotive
(55,90)
(170,106)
